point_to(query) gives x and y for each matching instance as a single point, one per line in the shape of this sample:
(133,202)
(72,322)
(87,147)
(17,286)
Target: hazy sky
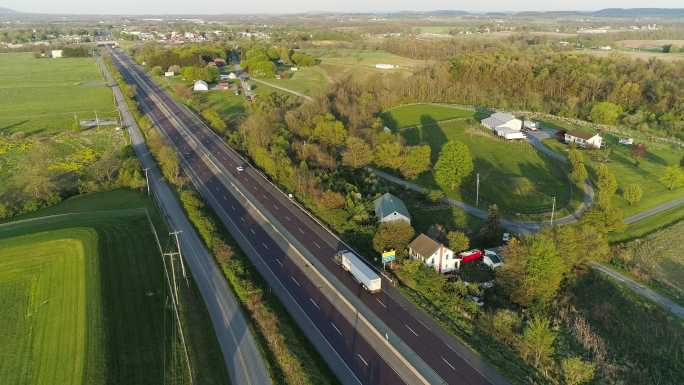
(292,6)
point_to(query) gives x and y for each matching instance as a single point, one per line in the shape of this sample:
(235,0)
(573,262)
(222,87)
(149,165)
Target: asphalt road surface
(406,328)
(244,362)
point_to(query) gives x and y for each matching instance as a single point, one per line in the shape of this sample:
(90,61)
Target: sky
(158,7)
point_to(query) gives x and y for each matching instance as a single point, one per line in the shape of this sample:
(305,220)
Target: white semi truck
(359,270)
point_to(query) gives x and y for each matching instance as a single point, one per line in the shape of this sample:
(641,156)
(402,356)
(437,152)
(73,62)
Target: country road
(293,92)
(642,290)
(241,355)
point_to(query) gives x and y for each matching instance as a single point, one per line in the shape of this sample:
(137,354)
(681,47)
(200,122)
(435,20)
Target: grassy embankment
(513,175)
(44,95)
(86,300)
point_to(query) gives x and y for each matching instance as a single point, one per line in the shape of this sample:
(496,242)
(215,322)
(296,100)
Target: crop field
(515,176)
(84,297)
(657,260)
(44,95)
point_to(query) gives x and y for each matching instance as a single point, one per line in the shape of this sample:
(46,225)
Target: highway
(212,165)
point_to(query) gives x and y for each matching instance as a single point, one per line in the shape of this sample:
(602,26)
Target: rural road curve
(641,290)
(244,362)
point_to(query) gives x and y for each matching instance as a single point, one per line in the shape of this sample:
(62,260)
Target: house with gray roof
(502,120)
(390,208)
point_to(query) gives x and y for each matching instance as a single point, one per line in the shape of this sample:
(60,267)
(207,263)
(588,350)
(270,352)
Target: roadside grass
(656,260)
(44,95)
(88,299)
(649,225)
(513,175)
(645,344)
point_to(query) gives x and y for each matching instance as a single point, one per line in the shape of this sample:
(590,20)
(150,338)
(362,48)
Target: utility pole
(553,209)
(97,121)
(180,253)
(173,277)
(147,181)
(477,191)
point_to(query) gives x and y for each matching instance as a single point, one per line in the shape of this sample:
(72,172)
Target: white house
(390,208)
(433,253)
(200,85)
(169,74)
(509,133)
(502,119)
(56,53)
(584,139)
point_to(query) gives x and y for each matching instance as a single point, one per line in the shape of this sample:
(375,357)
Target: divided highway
(297,250)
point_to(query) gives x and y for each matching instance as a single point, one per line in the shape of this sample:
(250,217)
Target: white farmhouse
(383,66)
(584,139)
(200,85)
(502,119)
(56,53)
(390,208)
(434,254)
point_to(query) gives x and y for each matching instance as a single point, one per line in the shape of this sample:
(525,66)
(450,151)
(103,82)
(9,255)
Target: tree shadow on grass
(9,127)
(431,133)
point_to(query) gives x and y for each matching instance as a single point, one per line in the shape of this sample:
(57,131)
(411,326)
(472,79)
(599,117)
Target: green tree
(453,165)
(4,211)
(393,235)
(388,155)
(416,160)
(538,339)
(673,177)
(607,186)
(633,194)
(357,153)
(329,130)
(579,173)
(214,119)
(458,240)
(491,232)
(605,113)
(576,371)
(505,323)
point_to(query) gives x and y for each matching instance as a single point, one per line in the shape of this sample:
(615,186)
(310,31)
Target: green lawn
(422,114)
(339,62)
(84,299)
(649,225)
(513,175)
(647,174)
(307,80)
(43,95)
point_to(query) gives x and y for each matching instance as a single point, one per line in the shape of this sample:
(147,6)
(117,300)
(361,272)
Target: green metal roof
(387,204)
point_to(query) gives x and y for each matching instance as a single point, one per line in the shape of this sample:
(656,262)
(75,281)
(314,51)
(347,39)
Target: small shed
(56,53)
(200,85)
(390,208)
(169,74)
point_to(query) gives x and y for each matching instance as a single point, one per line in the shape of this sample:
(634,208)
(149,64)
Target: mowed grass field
(43,95)
(513,175)
(85,299)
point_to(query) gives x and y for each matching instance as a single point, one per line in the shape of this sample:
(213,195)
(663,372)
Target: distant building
(219,62)
(200,85)
(169,74)
(232,76)
(509,133)
(390,208)
(382,66)
(433,254)
(584,139)
(56,53)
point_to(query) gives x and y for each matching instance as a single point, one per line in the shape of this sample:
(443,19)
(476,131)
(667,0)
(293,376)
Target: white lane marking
(252,231)
(362,360)
(381,303)
(300,230)
(288,218)
(448,363)
(275,206)
(279,262)
(314,303)
(231,206)
(295,281)
(265,245)
(242,219)
(411,330)
(317,245)
(336,329)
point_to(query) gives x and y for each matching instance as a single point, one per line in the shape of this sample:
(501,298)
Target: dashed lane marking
(411,330)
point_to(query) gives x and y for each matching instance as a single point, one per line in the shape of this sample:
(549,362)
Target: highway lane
(454,365)
(341,334)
